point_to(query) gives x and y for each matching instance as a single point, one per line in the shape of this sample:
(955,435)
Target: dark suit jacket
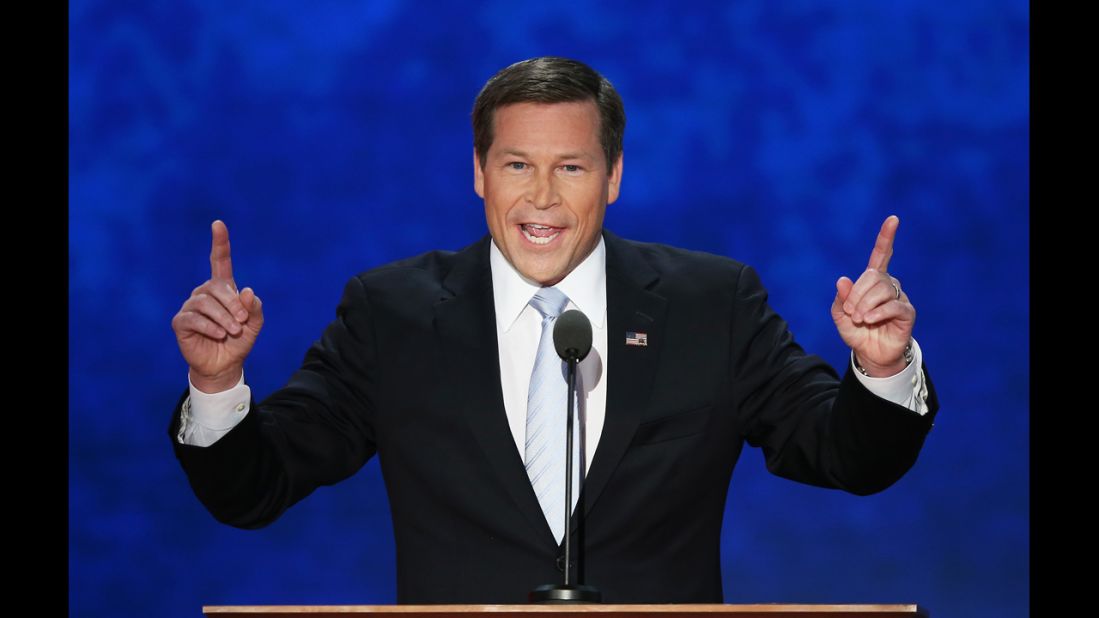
(409,370)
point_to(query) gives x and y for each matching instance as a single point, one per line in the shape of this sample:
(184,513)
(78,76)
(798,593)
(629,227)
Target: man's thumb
(252,303)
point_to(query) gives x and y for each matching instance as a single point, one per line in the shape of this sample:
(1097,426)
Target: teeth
(538,240)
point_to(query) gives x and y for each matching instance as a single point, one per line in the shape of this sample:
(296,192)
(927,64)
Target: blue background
(334,136)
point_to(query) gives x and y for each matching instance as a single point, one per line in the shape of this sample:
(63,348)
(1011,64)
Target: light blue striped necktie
(546,416)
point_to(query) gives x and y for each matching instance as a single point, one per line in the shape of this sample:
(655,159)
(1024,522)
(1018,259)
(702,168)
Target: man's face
(546,186)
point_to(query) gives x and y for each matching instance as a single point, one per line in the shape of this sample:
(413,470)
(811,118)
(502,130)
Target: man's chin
(542,274)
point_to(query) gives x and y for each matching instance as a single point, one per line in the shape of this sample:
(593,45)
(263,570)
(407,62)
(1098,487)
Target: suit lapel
(631,307)
(466,326)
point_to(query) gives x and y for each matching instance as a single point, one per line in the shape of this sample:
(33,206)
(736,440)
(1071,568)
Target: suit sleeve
(811,426)
(317,430)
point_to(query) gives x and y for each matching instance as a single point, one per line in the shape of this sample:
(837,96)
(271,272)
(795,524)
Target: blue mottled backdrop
(334,136)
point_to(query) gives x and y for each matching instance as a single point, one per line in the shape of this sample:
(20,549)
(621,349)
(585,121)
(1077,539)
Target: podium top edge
(776,609)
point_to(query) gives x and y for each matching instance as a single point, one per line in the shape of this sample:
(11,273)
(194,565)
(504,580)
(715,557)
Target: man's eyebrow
(566,155)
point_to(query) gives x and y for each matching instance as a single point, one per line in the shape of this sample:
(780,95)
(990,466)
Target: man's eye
(572,169)
(517,166)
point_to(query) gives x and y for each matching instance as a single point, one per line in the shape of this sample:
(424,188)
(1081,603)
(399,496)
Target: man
(437,364)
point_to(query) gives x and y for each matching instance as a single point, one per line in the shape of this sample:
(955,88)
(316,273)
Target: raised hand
(873,315)
(217,326)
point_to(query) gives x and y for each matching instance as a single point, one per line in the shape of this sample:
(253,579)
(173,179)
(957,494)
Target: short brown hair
(550,79)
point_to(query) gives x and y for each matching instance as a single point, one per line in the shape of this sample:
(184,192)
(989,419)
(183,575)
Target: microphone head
(572,335)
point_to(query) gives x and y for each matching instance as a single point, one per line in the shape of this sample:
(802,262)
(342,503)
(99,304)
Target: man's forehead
(586,109)
(529,128)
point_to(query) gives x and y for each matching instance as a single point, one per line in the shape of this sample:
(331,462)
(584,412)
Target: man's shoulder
(676,265)
(660,254)
(428,269)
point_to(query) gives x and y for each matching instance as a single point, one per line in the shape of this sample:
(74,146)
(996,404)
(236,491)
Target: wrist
(216,383)
(874,370)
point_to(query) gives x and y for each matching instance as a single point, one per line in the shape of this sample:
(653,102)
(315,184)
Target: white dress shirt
(207,417)
(519,329)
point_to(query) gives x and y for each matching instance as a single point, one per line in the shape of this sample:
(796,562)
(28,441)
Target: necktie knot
(550,302)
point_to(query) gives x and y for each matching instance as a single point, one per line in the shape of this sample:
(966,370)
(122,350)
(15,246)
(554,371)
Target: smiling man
(546,183)
(440,365)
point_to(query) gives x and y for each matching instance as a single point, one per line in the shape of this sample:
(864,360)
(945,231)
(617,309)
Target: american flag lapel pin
(639,339)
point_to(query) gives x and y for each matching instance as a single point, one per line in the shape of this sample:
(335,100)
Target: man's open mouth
(539,234)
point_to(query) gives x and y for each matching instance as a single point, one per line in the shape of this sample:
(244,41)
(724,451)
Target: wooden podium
(767,610)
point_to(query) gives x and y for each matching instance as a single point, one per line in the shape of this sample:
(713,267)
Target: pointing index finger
(221,264)
(883,246)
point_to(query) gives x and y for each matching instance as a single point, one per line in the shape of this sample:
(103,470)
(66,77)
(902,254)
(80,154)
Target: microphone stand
(568,593)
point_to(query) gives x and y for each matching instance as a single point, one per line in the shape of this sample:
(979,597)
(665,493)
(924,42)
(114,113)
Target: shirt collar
(586,287)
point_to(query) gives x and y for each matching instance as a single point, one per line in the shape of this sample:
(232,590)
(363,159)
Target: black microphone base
(558,594)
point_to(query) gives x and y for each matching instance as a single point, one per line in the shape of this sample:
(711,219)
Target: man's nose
(543,191)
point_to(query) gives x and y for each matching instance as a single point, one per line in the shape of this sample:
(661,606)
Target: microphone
(572,335)
(572,340)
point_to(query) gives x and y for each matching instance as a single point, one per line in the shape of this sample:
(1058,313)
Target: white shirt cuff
(206,417)
(907,388)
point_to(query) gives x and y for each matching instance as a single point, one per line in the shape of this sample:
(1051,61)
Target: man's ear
(614,180)
(478,175)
